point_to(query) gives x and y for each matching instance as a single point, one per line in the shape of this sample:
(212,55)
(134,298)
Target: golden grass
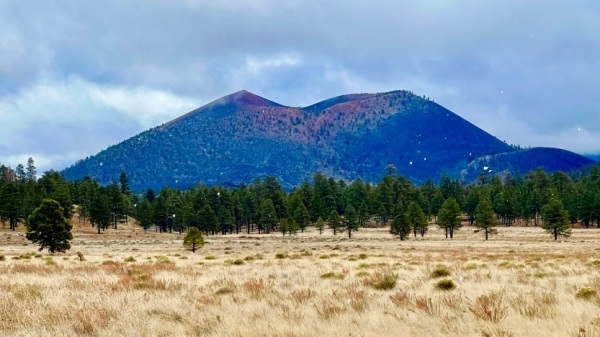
(131,283)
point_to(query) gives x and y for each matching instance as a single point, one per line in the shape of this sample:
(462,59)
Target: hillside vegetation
(242,136)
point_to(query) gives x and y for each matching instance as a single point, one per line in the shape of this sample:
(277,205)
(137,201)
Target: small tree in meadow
(48,227)
(556,219)
(485,219)
(401,226)
(193,239)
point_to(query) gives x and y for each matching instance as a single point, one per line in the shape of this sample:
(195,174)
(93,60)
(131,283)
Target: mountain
(595,157)
(242,136)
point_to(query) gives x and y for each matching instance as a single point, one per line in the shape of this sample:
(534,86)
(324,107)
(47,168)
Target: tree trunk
(486,234)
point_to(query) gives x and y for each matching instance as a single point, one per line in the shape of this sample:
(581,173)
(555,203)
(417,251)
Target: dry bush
(490,307)
(328,309)
(535,305)
(302,296)
(428,306)
(357,298)
(586,293)
(400,298)
(257,287)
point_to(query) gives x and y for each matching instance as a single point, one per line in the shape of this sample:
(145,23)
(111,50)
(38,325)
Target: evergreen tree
(417,219)
(555,219)
(302,217)
(334,221)
(350,221)
(193,239)
(485,218)
(320,225)
(268,215)
(207,220)
(449,217)
(48,227)
(401,226)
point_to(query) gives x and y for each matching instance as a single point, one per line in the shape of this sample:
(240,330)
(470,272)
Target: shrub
(224,291)
(281,255)
(445,284)
(381,280)
(130,259)
(249,258)
(585,293)
(2,258)
(238,262)
(210,257)
(440,271)
(333,275)
(490,308)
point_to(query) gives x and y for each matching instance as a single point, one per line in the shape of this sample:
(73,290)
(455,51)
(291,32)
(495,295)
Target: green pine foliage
(485,219)
(401,226)
(48,227)
(556,219)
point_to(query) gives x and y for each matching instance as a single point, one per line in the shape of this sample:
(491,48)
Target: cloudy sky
(78,76)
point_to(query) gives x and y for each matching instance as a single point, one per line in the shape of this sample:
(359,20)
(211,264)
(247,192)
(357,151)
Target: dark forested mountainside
(242,136)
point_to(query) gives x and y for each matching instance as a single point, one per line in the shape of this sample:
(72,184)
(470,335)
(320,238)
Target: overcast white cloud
(77,76)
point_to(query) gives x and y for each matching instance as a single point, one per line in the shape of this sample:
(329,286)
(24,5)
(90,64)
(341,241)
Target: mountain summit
(242,136)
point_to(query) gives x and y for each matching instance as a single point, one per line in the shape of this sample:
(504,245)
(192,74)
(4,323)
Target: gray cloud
(524,71)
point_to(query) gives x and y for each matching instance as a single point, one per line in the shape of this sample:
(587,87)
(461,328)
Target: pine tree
(350,221)
(302,217)
(555,219)
(417,219)
(401,226)
(268,215)
(48,227)
(449,217)
(320,225)
(193,239)
(334,222)
(485,218)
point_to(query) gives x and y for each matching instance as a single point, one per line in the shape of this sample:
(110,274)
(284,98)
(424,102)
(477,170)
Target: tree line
(553,200)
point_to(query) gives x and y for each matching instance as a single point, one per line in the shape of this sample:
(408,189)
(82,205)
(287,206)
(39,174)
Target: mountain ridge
(242,136)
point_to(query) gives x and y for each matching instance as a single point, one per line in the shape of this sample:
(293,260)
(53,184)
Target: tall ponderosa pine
(268,215)
(485,219)
(449,217)
(320,225)
(555,219)
(48,227)
(302,217)
(350,221)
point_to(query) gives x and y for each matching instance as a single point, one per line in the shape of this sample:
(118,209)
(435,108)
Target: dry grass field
(131,283)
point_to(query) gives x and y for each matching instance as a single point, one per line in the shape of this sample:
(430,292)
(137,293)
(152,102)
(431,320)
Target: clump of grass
(323,257)
(400,298)
(129,259)
(585,293)
(490,308)
(507,265)
(332,275)
(381,280)
(108,263)
(362,256)
(224,291)
(249,258)
(238,262)
(281,256)
(440,271)
(210,257)
(302,296)
(445,284)
(2,257)
(362,273)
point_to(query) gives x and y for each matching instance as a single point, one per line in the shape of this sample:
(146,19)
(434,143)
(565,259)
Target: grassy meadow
(131,283)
